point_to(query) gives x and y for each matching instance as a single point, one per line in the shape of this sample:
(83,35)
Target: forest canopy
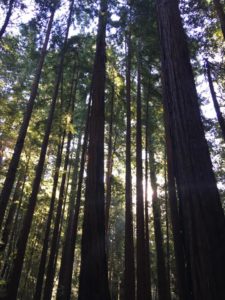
(112,150)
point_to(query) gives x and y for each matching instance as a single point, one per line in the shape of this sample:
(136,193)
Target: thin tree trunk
(167,228)
(93,252)
(147,237)
(129,272)
(41,269)
(200,207)
(11,174)
(221,15)
(109,164)
(220,117)
(13,283)
(163,286)
(7,17)
(142,286)
(56,232)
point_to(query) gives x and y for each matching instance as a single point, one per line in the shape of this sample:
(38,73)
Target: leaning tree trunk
(13,284)
(11,174)
(93,272)
(201,209)
(7,17)
(12,210)
(220,117)
(129,272)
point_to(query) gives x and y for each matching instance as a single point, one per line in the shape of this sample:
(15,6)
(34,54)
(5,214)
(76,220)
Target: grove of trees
(112,150)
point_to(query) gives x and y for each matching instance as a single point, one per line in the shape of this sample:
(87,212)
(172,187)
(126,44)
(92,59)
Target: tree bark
(11,174)
(200,206)
(147,237)
(93,272)
(13,283)
(129,272)
(141,255)
(220,117)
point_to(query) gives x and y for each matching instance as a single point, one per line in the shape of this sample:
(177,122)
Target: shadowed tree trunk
(93,272)
(147,237)
(129,272)
(200,207)
(13,284)
(11,174)
(142,286)
(220,117)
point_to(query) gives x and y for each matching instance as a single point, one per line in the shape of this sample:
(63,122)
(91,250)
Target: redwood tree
(200,206)
(93,273)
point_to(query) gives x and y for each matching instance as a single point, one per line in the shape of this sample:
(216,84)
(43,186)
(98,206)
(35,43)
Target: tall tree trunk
(200,206)
(13,283)
(142,286)
(11,174)
(182,278)
(129,272)
(221,15)
(66,267)
(7,17)
(220,117)
(147,237)
(93,253)
(109,163)
(60,210)
(41,269)
(50,273)
(163,286)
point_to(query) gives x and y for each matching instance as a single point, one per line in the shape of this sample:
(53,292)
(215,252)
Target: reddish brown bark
(93,272)
(201,211)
